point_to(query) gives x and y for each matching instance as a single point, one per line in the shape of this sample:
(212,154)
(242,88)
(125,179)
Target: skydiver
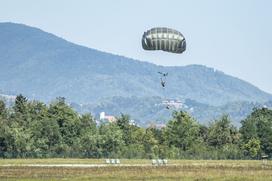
(162,83)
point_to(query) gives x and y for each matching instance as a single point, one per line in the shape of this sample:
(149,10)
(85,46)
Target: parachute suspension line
(163,84)
(163,89)
(165,98)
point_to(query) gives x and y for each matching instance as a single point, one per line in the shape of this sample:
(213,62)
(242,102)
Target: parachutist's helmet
(164,39)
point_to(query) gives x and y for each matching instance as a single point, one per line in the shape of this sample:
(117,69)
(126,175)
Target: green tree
(88,136)
(252,148)
(3,110)
(20,104)
(182,131)
(258,125)
(20,114)
(89,143)
(110,140)
(37,111)
(4,134)
(123,124)
(150,144)
(87,123)
(46,137)
(221,132)
(20,142)
(67,119)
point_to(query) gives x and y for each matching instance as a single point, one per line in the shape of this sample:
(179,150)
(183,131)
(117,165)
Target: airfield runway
(80,165)
(97,169)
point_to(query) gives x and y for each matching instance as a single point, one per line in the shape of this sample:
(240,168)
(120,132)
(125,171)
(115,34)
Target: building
(107,118)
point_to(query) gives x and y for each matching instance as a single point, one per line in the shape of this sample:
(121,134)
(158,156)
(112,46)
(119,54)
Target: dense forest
(34,129)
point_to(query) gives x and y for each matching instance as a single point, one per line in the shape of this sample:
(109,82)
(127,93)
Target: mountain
(43,66)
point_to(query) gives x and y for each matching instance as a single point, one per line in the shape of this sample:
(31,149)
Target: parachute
(164,39)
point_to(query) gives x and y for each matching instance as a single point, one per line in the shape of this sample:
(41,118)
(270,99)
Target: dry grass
(176,170)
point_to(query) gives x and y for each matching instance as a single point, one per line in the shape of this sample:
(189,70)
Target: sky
(233,36)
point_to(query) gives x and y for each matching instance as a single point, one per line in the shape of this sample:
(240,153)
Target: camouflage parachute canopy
(164,39)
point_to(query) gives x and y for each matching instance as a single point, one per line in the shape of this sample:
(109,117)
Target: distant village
(104,118)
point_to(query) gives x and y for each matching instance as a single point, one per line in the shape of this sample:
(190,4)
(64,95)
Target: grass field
(25,169)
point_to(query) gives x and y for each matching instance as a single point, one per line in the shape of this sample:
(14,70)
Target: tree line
(32,129)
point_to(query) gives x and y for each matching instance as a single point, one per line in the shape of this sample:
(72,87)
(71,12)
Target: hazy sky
(234,36)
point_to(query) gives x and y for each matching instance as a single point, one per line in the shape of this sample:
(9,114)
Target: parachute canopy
(164,39)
